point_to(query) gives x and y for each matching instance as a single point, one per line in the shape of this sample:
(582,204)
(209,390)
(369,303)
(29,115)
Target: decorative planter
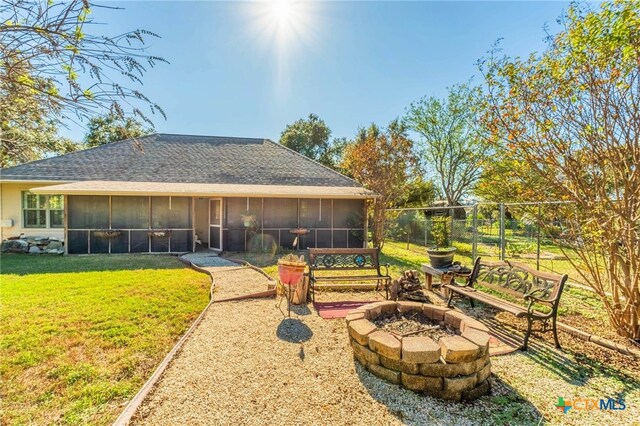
(107,233)
(299,231)
(159,233)
(290,272)
(441,257)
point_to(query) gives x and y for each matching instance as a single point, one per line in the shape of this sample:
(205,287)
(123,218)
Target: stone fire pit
(456,367)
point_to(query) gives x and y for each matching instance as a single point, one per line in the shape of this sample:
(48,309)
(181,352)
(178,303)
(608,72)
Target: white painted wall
(11,208)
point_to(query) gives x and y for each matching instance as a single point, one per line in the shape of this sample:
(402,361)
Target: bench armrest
(533,300)
(530,297)
(386,266)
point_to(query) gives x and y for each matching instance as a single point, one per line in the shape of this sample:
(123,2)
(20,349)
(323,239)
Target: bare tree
(52,59)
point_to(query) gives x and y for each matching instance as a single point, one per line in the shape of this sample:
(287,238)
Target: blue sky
(244,69)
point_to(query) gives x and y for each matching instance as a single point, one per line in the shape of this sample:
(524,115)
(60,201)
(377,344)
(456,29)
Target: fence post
(474,237)
(502,233)
(425,231)
(538,236)
(451,215)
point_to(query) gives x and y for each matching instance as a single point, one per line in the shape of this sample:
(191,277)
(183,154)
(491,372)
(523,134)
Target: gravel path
(247,364)
(234,281)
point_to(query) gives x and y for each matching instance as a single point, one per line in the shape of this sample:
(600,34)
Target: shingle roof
(184,159)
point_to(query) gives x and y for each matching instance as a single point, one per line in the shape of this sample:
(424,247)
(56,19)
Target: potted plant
(441,255)
(107,233)
(159,233)
(290,271)
(291,268)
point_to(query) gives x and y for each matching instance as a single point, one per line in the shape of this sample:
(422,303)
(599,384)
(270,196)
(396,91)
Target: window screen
(181,241)
(340,238)
(120,244)
(167,214)
(88,212)
(236,208)
(130,212)
(280,213)
(78,242)
(139,242)
(348,213)
(310,213)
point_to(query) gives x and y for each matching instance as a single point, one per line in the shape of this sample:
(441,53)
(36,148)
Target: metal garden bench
(363,260)
(537,293)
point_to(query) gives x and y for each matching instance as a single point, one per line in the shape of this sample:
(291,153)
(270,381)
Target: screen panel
(130,212)
(88,212)
(280,213)
(139,242)
(77,242)
(348,213)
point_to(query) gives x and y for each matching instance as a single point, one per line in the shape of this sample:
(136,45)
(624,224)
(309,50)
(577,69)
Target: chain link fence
(492,231)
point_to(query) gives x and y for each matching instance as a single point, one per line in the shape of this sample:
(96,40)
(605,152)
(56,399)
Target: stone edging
(600,341)
(136,401)
(455,368)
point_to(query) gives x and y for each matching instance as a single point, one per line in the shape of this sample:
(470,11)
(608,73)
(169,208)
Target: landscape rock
(385,373)
(54,245)
(421,383)
(456,349)
(419,350)
(360,330)
(15,246)
(385,344)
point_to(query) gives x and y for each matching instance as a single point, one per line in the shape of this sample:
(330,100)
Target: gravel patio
(246,363)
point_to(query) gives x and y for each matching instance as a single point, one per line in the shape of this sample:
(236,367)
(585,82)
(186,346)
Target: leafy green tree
(26,131)
(111,127)
(451,141)
(419,192)
(572,116)
(506,179)
(310,137)
(382,161)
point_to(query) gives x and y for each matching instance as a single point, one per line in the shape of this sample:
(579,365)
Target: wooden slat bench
(364,260)
(522,283)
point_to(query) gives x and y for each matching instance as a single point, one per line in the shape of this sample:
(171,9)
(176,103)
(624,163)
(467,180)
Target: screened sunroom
(118,218)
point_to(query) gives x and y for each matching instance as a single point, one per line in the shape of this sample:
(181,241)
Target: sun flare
(285,29)
(281,11)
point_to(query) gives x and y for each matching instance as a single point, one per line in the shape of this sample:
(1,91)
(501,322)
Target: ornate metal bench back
(341,259)
(521,279)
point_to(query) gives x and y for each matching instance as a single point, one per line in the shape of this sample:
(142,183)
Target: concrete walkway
(207,259)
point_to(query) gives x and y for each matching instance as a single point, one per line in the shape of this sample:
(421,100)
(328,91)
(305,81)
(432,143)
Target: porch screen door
(215,223)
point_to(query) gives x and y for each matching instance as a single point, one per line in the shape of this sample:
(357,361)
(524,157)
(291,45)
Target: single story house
(178,193)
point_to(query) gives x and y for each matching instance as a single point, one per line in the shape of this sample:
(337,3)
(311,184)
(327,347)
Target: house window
(42,211)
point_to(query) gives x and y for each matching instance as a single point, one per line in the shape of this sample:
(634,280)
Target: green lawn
(79,335)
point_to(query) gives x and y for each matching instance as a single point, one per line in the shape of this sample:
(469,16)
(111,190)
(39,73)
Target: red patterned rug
(329,310)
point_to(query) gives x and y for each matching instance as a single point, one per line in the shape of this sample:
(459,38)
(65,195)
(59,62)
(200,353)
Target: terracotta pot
(290,272)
